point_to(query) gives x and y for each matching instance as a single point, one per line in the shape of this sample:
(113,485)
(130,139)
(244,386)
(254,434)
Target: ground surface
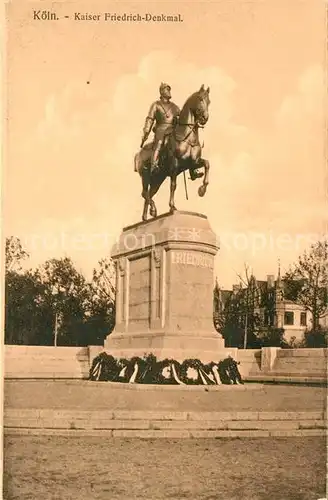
(58,468)
(80,468)
(85,395)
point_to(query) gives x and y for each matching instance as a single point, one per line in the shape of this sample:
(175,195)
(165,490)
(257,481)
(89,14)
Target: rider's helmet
(163,86)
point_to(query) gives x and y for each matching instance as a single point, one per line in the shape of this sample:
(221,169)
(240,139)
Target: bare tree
(251,302)
(104,279)
(15,253)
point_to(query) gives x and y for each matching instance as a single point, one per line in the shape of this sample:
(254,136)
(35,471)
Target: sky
(78,93)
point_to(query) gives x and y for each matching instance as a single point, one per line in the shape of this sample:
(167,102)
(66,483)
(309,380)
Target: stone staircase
(306,362)
(164,424)
(295,365)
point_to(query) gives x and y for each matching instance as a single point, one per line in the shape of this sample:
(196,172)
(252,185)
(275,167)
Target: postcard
(165,226)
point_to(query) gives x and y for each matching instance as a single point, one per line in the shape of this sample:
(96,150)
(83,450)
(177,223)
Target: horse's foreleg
(172,191)
(203,187)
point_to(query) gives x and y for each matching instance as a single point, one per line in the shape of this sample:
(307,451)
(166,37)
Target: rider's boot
(155,157)
(194,174)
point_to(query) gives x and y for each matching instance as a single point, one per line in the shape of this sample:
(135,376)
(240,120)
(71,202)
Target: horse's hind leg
(145,211)
(145,195)
(153,209)
(153,188)
(173,187)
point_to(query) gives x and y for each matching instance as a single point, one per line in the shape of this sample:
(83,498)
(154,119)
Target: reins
(193,129)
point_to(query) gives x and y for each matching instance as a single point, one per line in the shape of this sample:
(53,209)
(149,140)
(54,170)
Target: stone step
(298,373)
(63,423)
(94,415)
(51,374)
(186,422)
(303,353)
(163,425)
(291,378)
(168,434)
(290,367)
(174,388)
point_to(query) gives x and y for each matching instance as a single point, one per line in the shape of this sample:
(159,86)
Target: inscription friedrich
(192,259)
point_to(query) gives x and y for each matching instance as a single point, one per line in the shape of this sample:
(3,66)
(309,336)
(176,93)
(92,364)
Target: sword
(185,184)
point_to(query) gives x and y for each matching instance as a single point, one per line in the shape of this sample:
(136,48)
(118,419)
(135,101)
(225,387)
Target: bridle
(193,127)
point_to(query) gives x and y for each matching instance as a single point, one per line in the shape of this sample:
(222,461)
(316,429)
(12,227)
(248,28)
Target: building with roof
(269,303)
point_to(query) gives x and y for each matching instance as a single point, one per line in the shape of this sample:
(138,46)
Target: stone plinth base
(164,346)
(164,289)
(176,354)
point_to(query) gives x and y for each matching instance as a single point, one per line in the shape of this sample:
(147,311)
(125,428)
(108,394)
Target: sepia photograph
(165,250)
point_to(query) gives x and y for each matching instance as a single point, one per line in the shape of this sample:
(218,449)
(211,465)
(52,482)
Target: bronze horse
(182,151)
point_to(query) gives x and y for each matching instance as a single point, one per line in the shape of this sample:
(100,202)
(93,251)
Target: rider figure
(162,118)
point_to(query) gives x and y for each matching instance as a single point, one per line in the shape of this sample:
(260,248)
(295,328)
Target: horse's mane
(186,107)
(191,97)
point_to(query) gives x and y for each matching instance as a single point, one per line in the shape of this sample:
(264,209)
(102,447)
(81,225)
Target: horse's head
(199,103)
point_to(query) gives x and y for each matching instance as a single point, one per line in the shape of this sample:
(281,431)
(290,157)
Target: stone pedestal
(164,289)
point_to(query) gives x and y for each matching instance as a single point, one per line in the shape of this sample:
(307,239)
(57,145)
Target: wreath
(148,370)
(104,368)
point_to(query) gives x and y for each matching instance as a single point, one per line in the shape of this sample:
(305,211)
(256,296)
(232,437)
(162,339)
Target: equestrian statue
(175,148)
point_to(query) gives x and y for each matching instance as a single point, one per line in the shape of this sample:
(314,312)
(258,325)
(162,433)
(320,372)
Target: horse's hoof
(196,175)
(153,213)
(144,218)
(173,209)
(201,190)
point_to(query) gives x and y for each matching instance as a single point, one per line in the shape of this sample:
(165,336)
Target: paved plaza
(83,468)
(85,395)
